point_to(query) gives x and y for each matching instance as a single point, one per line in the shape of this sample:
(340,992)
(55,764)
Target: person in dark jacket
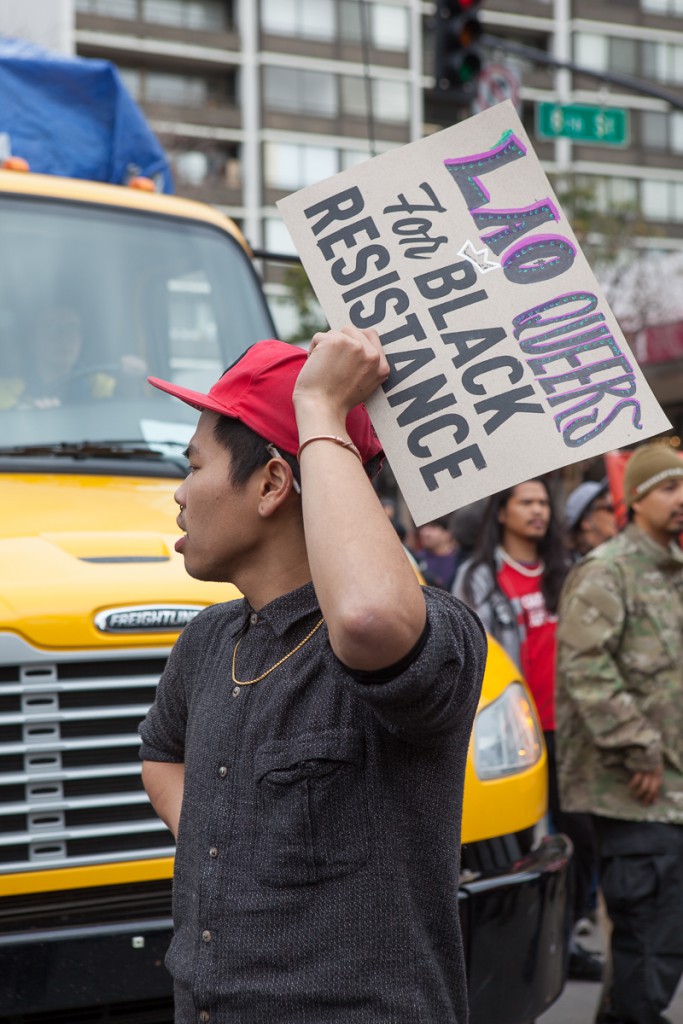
(307,745)
(513,581)
(589,517)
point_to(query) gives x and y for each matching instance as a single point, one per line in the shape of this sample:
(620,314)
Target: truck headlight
(507,738)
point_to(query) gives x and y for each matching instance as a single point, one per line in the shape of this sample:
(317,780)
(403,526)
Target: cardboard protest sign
(506,361)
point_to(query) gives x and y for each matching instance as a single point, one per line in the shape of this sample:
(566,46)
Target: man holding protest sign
(307,744)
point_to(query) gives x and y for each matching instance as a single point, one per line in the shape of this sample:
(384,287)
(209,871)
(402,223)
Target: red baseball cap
(257,390)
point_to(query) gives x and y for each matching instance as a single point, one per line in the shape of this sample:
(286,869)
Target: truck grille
(70,785)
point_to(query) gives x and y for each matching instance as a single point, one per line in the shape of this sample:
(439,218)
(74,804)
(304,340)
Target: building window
(291,166)
(300,92)
(605,195)
(390,99)
(676,131)
(277,237)
(591,51)
(662,61)
(390,27)
(623,55)
(677,200)
(654,129)
(208,15)
(193,91)
(654,198)
(354,96)
(655,61)
(384,26)
(623,192)
(672,7)
(179,90)
(109,8)
(198,164)
(662,131)
(311,19)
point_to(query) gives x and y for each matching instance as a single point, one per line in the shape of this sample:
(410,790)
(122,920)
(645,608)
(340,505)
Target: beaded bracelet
(331,437)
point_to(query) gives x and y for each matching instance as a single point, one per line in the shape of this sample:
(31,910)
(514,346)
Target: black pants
(641,872)
(579,828)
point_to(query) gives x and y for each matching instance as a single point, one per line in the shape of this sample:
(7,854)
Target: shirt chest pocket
(312,813)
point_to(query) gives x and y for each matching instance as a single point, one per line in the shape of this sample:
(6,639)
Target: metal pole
(563,82)
(626,81)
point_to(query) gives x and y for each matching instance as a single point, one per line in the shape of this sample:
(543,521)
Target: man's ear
(275,486)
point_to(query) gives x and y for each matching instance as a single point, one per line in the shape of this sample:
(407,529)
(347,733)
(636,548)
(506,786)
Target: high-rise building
(254,99)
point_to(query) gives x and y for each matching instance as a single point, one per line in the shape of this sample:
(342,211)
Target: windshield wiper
(86,450)
(152,451)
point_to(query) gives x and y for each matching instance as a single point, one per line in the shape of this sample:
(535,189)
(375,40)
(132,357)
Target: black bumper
(516,925)
(515,921)
(56,970)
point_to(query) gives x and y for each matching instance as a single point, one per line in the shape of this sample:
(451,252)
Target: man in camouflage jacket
(619,706)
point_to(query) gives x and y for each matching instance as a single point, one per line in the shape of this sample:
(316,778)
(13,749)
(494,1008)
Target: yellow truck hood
(72,547)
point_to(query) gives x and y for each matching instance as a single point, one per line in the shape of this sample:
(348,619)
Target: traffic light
(458,54)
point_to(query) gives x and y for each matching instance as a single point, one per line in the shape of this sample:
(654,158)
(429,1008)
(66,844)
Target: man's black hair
(249,451)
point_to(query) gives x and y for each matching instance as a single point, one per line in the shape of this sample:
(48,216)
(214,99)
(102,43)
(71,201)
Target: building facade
(253,99)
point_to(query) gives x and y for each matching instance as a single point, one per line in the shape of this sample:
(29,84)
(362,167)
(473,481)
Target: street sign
(496,84)
(603,125)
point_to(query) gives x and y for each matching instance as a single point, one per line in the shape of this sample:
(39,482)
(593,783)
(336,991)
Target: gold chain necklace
(248,682)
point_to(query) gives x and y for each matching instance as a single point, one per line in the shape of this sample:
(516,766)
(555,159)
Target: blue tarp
(74,117)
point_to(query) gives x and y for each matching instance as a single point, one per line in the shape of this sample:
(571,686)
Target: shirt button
(236,691)
(203,1016)
(206,937)
(253,618)
(222,771)
(213,851)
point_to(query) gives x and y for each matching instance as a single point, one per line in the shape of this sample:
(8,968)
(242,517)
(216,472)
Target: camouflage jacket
(619,682)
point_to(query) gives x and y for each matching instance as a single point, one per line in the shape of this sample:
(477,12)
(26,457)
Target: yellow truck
(110,283)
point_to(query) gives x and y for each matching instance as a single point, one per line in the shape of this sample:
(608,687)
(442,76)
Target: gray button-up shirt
(317,864)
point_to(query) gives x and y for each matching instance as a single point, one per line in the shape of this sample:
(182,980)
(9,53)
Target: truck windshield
(93,300)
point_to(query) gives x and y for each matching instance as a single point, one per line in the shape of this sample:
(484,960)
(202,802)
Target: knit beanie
(648,467)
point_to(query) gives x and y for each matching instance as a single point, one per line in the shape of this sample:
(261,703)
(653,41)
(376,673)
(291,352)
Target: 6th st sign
(602,125)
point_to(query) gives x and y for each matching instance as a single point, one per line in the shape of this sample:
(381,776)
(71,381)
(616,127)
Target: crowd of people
(593,617)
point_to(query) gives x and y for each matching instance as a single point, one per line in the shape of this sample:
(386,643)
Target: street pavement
(579,999)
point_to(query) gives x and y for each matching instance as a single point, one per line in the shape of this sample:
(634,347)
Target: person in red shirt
(513,581)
